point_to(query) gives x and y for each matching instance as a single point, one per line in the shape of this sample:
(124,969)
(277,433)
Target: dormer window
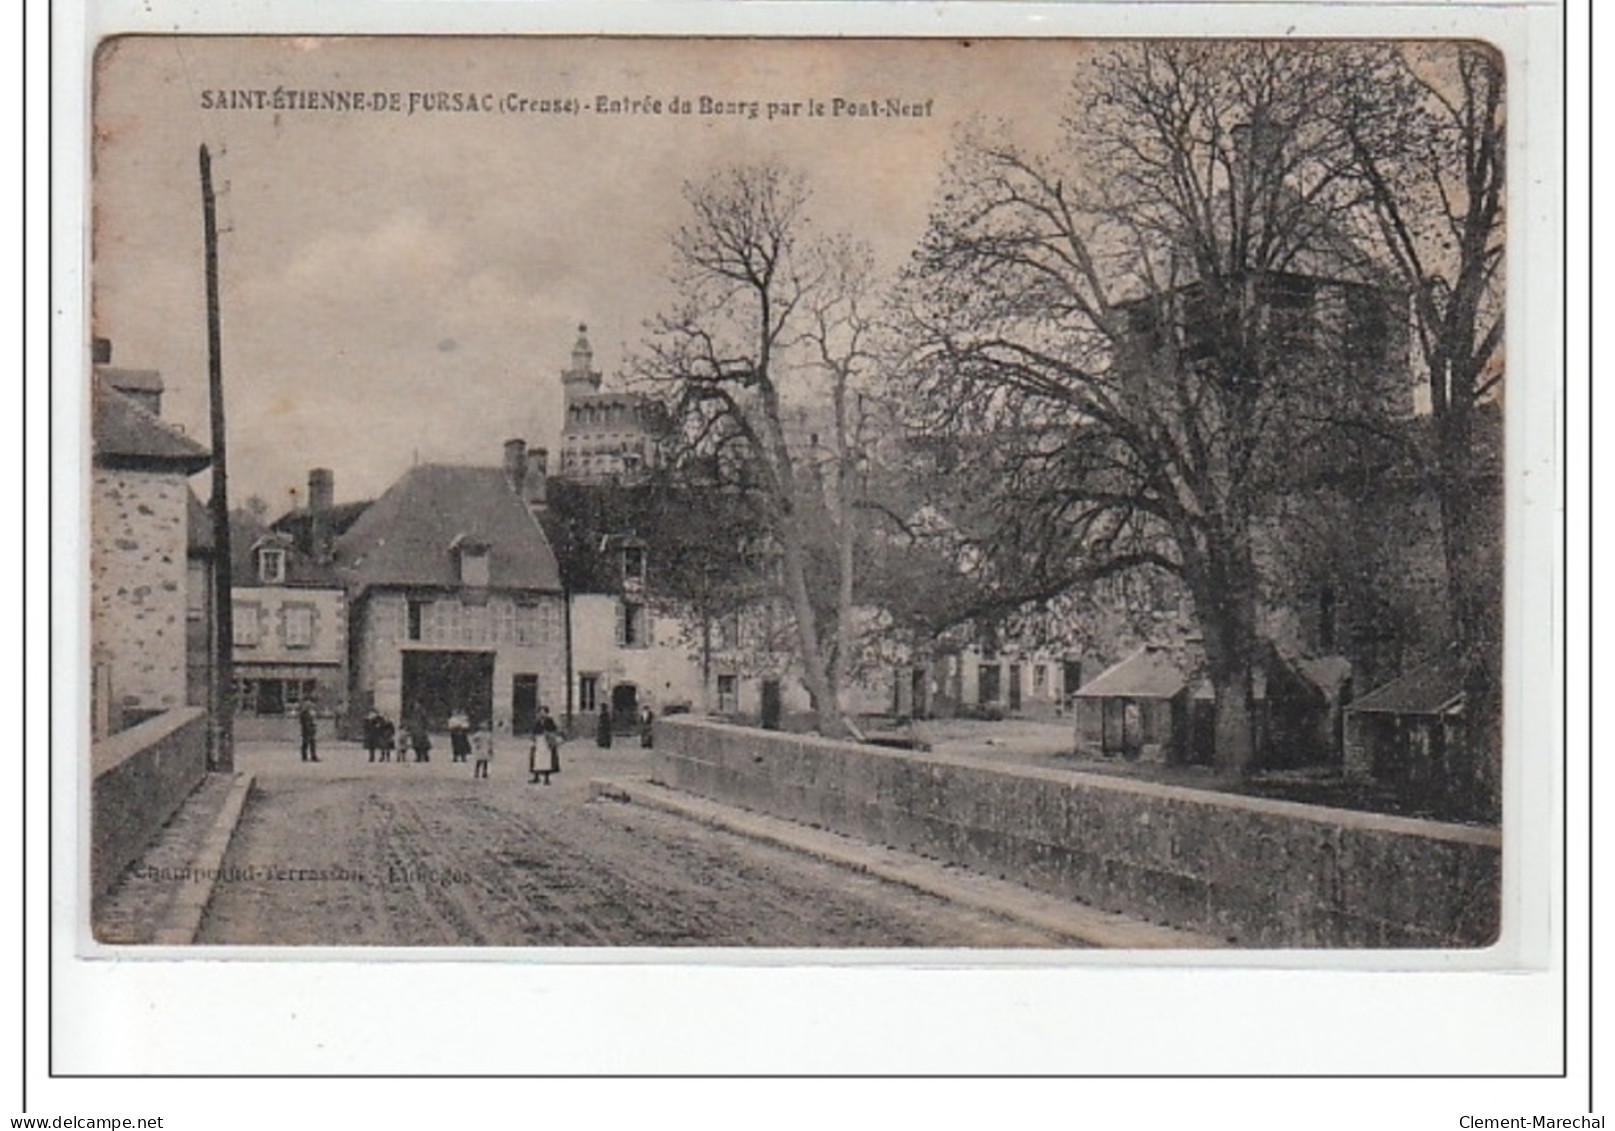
(472,555)
(271,565)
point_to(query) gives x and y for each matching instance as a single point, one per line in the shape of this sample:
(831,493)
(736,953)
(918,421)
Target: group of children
(381,737)
(468,742)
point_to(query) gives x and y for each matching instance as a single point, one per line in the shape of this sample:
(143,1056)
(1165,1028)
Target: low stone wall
(1254,871)
(141,775)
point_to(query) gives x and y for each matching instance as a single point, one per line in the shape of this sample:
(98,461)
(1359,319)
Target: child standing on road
(481,751)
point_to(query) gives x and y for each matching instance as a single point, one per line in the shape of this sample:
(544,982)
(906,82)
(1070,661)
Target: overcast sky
(400,285)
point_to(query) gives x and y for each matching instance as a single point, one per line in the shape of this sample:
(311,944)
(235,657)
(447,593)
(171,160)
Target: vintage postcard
(1011,495)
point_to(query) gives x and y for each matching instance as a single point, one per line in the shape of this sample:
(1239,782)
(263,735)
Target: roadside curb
(1064,917)
(184,918)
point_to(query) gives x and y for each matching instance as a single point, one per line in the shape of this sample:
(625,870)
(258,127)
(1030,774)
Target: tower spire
(582,377)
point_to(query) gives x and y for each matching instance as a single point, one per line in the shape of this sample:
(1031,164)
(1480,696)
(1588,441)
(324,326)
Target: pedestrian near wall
(385,734)
(647,718)
(481,743)
(602,729)
(372,733)
(459,736)
(307,729)
(544,731)
(421,741)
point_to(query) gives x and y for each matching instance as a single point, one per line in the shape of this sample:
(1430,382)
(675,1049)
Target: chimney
(516,464)
(537,494)
(321,497)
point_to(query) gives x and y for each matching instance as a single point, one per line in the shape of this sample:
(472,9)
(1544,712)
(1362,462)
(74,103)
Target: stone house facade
(139,547)
(455,598)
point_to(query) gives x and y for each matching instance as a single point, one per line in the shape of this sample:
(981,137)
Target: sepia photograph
(837,494)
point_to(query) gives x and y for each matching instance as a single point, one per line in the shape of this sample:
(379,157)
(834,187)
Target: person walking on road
(481,743)
(602,729)
(306,727)
(647,718)
(385,734)
(372,733)
(459,736)
(420,740)
(545,731)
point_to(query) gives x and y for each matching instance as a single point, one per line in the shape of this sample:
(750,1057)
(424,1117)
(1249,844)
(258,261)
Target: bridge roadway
(345,852)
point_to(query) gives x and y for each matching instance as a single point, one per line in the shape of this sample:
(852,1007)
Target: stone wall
(137,587)
(141,775)
(1257,872)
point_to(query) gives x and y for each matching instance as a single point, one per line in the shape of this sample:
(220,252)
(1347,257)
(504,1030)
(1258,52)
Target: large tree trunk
(1470,528)
(1226,603)
(816,675)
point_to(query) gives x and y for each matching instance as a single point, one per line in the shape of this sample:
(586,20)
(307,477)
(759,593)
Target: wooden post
(221,708)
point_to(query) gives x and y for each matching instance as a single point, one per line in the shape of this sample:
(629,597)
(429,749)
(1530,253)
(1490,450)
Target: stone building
(290,619)
(455,597)
(140,581)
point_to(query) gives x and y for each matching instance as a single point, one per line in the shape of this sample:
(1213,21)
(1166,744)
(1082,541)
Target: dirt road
(349,853)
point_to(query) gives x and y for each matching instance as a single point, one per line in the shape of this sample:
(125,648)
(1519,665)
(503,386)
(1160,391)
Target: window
(299,626)
(504,622)
(1040,680)
(271,565)
(474,558)
(244,624)
(527,629)
(588,692)
(450,623)
(728,694)
(632,624)
(633,566)
(416,615)
(476,624)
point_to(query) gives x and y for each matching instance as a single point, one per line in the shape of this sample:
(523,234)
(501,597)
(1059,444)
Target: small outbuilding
(1137,708)
(1404,732)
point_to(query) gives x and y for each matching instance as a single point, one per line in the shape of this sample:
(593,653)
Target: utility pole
(221,708)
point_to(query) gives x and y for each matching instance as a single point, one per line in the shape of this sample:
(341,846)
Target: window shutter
(622,625)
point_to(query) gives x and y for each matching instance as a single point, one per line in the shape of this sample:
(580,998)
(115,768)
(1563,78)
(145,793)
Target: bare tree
(775,319)
(1429,141)
(1132,334)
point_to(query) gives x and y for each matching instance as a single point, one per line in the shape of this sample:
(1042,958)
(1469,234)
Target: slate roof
(403,538)
(124,433)
(1147,674)
(1432,688)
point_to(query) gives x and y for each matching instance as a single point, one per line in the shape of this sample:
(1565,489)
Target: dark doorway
(988,684)
(523,703)
(436,684)
(771,704)
(624,707)
(1202,731)
(921,706)
(271,697)
(1014,687)
(1073,678)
